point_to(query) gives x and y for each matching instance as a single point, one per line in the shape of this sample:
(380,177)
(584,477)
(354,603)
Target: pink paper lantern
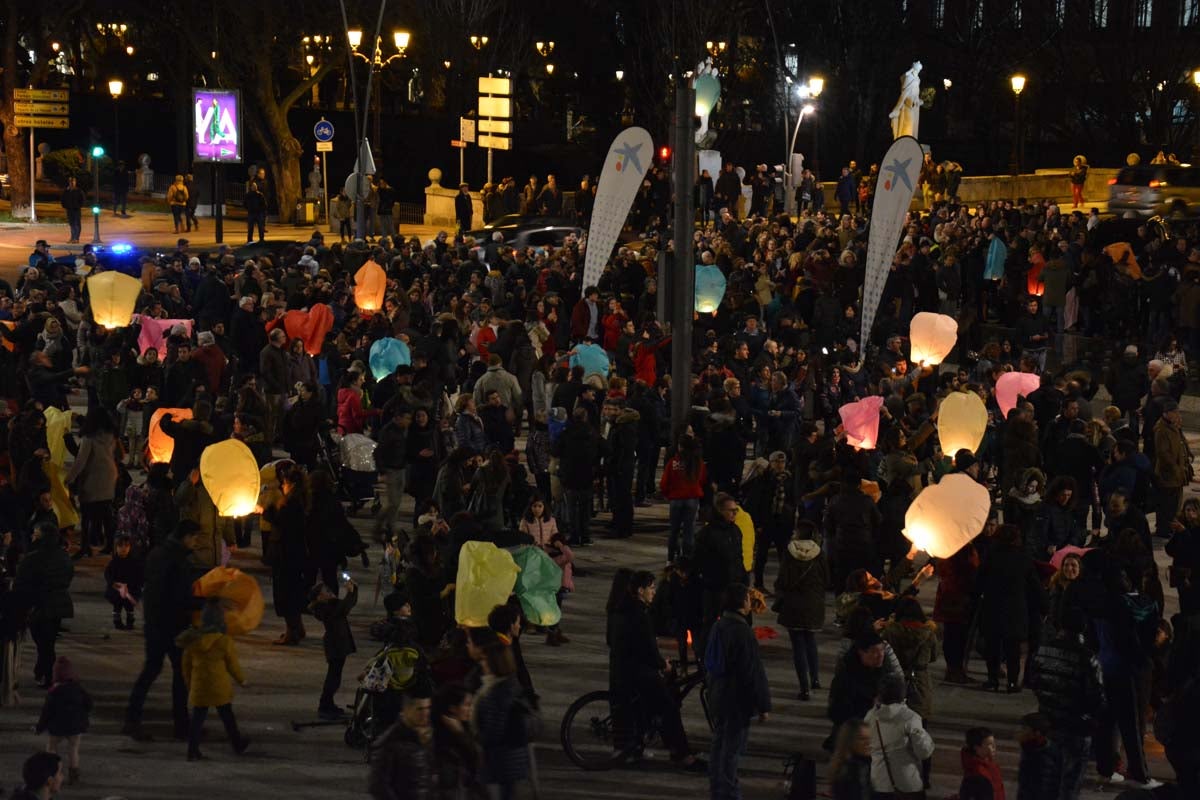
(1012,385)
(861,421)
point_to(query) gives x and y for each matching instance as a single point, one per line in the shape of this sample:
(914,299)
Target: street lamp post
(1018,85)
(115,87)
(377,62)
(805,92)
(1196,82)
(97,154)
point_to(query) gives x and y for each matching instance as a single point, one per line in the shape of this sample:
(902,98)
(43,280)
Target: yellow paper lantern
(230,475)
(113,297)
(946,516)
(162,446)
(370,287)
(486,577)
(240,596)
(746,525)
(932,337)
(962,422)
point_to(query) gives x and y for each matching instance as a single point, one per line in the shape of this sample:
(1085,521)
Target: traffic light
(97,152)
(664,153)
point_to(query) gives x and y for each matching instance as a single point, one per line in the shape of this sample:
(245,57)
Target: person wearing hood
(800,589)
(209,661)
(620,451)
(43,579)
(1024,506)
(914,640)
(724,446)
(94,475)
(167,603)
(899,743)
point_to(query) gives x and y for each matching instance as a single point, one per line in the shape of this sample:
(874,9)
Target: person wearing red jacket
(979,762)
(645,355)
(682,483)
(613,322)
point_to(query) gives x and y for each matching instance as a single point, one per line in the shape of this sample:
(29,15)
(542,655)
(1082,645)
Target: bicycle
(591,734)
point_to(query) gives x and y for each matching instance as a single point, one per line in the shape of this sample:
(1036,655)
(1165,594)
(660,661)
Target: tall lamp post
(1018,85)
(1196,82)
(97,154)
(805,92)
(377,62)
(115,87)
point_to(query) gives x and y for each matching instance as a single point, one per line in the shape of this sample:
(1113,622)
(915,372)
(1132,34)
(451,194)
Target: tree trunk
(16,142)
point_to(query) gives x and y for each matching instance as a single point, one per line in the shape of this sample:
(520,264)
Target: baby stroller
(377,701)
(350,460)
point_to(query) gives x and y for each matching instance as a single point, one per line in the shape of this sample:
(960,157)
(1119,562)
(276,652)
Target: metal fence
(410,213)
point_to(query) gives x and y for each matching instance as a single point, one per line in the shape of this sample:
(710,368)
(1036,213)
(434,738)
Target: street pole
(32,180)
(96,199)
(116,132)
(683,281)
(325,186)
(219,203)
(461,169)
(489,165)
(1014,163)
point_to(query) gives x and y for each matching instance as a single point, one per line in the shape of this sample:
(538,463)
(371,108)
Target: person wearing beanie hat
(65,715)
(965,461)
(209,661)
(856,680)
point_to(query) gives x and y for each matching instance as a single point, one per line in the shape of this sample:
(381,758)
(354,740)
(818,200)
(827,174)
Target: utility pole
(683,279)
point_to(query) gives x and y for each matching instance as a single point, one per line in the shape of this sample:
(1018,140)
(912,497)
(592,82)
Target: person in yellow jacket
(209,662)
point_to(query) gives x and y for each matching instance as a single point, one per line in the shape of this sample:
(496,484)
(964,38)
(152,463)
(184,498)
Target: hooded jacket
(740,691)
(801,584)
(622,443)
(916,646)
(209,661)
(44,579)
(896,730)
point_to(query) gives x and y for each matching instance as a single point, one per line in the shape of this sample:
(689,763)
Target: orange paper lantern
(161,445)
(370,287)
(309,326)
(230,475)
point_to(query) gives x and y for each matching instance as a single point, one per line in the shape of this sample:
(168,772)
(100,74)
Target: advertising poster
(217,125)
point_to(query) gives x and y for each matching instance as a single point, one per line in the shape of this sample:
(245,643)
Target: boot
(240,745)
(117,621)
(128,620)
(194,754)
(73,776)
(135,731)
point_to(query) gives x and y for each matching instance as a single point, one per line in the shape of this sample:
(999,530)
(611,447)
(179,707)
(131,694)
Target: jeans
(728,744)
(98,526)
(44,632)
(156,650)
(200,713)
(647,458)
(1075,753)
(177,215)
(393,484)
(333,681)
(386,227)
(804,656)
(1124,716)
(579,512)
(682,521)
(75,222)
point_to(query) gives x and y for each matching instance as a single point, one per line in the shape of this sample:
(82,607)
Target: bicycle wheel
(589,735)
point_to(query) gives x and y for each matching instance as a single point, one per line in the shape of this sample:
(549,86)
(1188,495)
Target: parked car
(1149,190)
(527,231)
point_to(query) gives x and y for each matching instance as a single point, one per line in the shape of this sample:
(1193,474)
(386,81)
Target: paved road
(284,684)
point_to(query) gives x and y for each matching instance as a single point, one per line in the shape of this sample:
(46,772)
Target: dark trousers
(75,222)
(177,215)
(200,713)
(804,656)
(119,202)
(117,602)
(1008,648)
(191,217)
(44,632)
(333,681)
(1166,507)
(156,650)
(620,501)
(954,644)
(728,744)
(253,221)
(579,514)
(767,537)
(344,229)
(647,456)
(97,526)
(1074,752)
(1123,718)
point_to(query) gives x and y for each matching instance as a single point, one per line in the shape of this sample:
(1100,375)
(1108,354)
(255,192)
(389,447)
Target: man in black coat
(856,680)
(248,335)
(168,604)
(718,555)
(464,209)
(191,437)
(852,523)
(256,212)
(577,449)
(211,303)
(737,685)
(619,459)
(72,202)
(43,583)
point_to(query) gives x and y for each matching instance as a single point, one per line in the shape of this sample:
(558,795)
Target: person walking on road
(72,202)
(738,690)
(256,212)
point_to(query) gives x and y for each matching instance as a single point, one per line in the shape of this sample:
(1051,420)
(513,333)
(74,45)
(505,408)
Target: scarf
(779,499)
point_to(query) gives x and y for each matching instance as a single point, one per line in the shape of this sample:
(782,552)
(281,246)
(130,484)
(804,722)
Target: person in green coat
(914,641)
(43,581)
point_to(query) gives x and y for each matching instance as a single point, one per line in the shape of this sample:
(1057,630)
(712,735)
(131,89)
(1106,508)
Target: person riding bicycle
(637,671)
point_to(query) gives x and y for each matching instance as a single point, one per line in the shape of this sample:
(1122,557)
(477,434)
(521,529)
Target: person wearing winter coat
(216,532)
(94,476)
(952,606)
(503,721)
(899,743)
(286,552)
(401,763)
(914,640)
(856,681)
(124,576)
(209,661)
(1065,677)
(620,453)
(338,643)
(684,478)
(851,527)
(718,555)
(850,764)
(191,437)
(1008,588)
(577,450)
(770,499)
(65,714)
(497,378)
(800,588)
(43,581)
(737,689)
(979,762)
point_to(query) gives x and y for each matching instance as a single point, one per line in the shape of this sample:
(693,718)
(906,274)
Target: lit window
(1145,13)
(977,15)
(1060,12)
(1016,13)
(1189,13)
(1099,13)
(938,12)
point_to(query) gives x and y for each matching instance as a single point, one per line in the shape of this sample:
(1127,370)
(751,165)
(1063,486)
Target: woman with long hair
(682,483)
(455,751)
(93,477)
(850,765)
(286,551)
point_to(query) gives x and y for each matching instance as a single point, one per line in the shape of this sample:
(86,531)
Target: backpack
(714,654)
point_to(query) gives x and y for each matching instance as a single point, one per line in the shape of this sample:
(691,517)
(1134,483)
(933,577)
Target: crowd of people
(503,427)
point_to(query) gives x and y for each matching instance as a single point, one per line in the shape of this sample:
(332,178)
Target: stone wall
(439,203)
(1052,183)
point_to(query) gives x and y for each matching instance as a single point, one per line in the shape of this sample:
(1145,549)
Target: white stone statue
(145,175)
(906,114)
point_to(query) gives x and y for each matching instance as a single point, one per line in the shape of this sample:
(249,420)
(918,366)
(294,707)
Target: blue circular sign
(323,131)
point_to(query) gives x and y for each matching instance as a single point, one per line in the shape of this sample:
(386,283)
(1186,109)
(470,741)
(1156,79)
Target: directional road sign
(41,122)
(41,108)
(44,95)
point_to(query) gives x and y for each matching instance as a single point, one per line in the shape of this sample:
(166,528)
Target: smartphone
(345,577)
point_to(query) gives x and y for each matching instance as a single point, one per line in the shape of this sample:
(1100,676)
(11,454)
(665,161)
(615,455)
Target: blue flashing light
(121,248)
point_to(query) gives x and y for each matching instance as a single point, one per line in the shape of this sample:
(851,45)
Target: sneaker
(1145,785)
(241,745)
(1116,777)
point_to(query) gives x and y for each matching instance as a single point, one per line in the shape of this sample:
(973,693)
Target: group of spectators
(503,346)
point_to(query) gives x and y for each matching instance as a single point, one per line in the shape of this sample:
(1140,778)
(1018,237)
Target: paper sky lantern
(537,586)
(962,421)
(58,424)
(1012,385)
(370,287)
(155,331)
(113,296)
(7,343)
(710,288)
(240,595)
(309,326)
(161,445)
(745,524)
(932,337)
(486,576)
(861,421)
(947,515)
(387,354)
(230,475)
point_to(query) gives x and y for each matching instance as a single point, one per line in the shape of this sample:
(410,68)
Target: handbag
(896,793)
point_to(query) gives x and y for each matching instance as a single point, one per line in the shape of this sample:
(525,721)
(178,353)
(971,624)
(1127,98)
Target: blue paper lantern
(386,355)
(710,288)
